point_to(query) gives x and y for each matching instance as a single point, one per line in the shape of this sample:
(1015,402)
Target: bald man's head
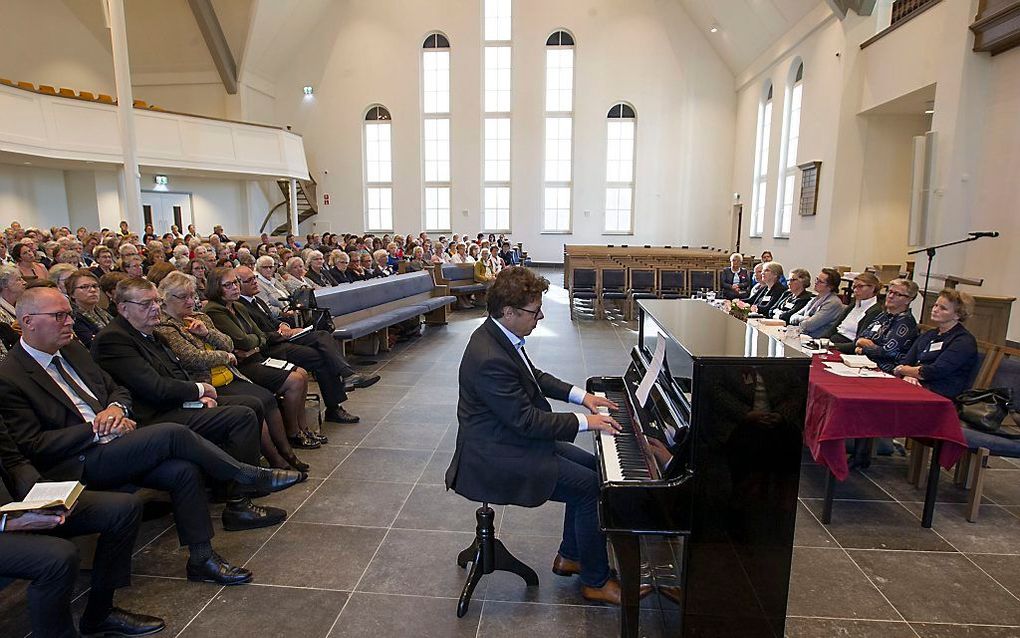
(45,318)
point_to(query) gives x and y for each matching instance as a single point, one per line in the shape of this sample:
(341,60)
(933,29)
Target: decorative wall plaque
(809,187)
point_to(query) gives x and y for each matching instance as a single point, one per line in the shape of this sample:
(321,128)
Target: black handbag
(985,410)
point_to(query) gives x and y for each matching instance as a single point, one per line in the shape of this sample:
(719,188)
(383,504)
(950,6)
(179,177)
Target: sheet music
(653,370)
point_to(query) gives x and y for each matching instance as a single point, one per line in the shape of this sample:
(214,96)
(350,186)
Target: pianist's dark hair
(515,287)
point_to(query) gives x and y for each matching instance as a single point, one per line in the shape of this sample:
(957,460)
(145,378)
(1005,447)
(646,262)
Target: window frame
(369,185)
(616,184)
(786,185)
(759,182)
(436,42)
(550,115)
(493,215)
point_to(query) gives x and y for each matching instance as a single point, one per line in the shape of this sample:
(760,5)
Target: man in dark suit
(319,340)
(161,387)
(72,422)
(51,562)
(513,449)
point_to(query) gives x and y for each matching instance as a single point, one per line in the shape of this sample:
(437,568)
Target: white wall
(645,52)
(214,201)
(33,196)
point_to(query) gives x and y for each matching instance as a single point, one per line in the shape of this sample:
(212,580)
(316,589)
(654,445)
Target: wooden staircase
(307,204)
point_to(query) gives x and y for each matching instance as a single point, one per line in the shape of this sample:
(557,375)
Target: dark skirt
(271,379)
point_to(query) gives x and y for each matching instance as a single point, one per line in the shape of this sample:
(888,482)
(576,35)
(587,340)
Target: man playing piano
(513,449)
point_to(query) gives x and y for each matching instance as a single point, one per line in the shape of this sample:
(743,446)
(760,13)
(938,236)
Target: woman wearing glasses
(208,356)
(83,290)
(891,333)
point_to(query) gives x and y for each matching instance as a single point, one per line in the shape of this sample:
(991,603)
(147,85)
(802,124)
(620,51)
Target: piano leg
(628,561)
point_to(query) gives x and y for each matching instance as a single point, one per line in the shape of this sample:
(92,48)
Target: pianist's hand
(603,422)
(593,403)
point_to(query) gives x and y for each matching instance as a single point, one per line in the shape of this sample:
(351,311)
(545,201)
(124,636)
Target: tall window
(378,170)
(559,133)
(761,163)
(620,130)
(436,131)
(496,125)
(788,152)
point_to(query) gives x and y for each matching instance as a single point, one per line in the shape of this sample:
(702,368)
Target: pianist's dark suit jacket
(508,432)
(48,428)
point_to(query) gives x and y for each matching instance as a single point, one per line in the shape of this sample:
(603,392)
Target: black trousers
(324,343)
(164,456)
(51,563)
(328,371)
(235,425)
(265,398)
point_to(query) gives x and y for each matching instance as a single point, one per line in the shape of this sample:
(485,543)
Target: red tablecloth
(840,408)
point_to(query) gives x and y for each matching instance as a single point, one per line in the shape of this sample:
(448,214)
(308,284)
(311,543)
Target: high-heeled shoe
(296,463)
(303,441)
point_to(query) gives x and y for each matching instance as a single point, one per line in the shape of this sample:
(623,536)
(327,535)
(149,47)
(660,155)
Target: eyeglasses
(192,297)
(87,287)
(230,284)
(896,293)
(248,280)
(151,303)
(860,284)
(535,312)
(59,317)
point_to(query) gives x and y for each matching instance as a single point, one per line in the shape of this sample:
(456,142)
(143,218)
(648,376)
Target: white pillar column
(125,116)
(293,207)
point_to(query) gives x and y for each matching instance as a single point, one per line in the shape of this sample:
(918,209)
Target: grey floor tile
(291,499)
(995,532)
(537,552)
(507,619)
(354,502)
(1005,569)
(429,414)
(878,525)
(856,486)
(810,532)
(817,573)
(347,434)
(386,615)
(938,587)
(389,465)
(399,379)
(435,471)
(545,520)
(431,506)
(174,600)
(324,459)
(165,556)
(449,441)
(268,611)
(405,436)
(431,557)
(826,628)
(318,556)
(893,479)
(964,631)
(1003,486)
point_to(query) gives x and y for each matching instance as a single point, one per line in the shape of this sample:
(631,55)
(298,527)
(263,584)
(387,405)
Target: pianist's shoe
(565,567)
(610,593)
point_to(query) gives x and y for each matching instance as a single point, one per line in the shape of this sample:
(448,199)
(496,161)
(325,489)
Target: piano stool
(486,555)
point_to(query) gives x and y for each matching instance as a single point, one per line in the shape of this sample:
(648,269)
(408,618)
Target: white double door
(163,210)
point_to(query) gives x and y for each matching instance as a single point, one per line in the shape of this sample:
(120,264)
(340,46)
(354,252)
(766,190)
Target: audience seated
(12,285)
(822,312)
(736,281)
(271,287)
(339,267)
(797,295)
(73,422)
(942,358)
(756,284)
(382,263)
(25,257)
(770,295)
(297,271)
(890,334)
(82,289)
(317,271)
(483,268)
(858,315)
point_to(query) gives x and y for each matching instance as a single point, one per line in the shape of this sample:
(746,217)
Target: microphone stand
(930,251)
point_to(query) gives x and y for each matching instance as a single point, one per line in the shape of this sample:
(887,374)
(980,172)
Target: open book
(62,494)
(298,335)
(858,361)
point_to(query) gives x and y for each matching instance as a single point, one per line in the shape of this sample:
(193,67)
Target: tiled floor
(369,547)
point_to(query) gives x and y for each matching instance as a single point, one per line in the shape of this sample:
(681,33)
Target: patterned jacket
(191,350)
(893,335)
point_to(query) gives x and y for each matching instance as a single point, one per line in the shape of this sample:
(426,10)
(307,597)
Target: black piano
(711,459)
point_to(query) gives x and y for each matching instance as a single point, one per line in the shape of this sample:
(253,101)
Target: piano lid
(704,331)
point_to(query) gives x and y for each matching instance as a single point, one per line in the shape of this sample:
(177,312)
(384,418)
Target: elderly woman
(59,273)
(943,358)
(271,288)
(889,335)
(460,255)
(756,284)
(382,261)
(234,319)
(180,258)
(132,266)
(207,355)
(473,251)
(317,270)
(83,290)
(24,256)
(821,313)
(483,272)
(362,267)
(298,276)
(339,267)
(104,261)
(797,295)
(198,269)
(771,294)
(417,261)
(736,281)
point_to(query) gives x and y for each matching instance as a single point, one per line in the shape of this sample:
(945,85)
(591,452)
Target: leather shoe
(244,514)
(304,442)
(274,480)
(340,415)
(610,593)
(565,567)
(216,570)
(357,381)
(120,622)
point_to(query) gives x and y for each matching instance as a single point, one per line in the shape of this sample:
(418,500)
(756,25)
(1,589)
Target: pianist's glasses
(534,312)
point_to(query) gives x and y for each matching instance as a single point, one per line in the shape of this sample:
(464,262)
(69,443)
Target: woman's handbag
(985,410)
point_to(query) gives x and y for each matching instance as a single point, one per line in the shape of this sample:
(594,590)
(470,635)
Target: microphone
(986,233)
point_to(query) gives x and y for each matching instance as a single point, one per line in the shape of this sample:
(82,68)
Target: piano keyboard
(622,457)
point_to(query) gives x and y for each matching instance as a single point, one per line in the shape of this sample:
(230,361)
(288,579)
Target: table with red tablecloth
(841,408)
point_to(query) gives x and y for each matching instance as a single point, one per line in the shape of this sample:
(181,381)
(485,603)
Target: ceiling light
(929,107)
(930,112)
(308,90)
(714,28)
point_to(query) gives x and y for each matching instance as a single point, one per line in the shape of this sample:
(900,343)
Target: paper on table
(843,370)
(653,370)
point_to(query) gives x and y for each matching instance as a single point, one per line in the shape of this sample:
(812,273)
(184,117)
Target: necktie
(262,305)
(82,394)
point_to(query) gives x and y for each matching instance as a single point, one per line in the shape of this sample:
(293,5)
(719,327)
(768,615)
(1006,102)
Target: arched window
(436,131)
(496,115)
(788,151)
(378,170)
(559,137)
(761,162)
(621,127)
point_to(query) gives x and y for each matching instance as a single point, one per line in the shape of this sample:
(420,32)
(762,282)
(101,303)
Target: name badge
(935,346)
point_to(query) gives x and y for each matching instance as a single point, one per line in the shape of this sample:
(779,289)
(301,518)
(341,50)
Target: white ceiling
(746,27)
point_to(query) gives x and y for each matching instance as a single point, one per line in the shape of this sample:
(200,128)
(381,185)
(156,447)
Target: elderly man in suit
(72,422)
(513,449)
(34,546)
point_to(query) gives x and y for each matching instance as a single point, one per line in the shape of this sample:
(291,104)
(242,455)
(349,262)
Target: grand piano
(710,461)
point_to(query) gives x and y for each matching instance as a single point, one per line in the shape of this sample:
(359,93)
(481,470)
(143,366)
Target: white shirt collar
(515,341)
(864,304)
(42,358)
